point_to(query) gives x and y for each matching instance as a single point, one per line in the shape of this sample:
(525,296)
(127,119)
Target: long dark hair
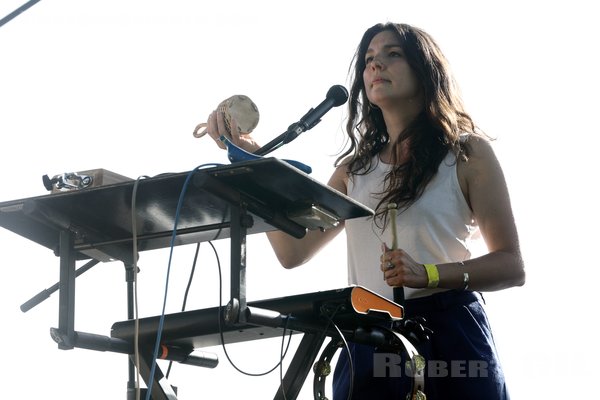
(434,132)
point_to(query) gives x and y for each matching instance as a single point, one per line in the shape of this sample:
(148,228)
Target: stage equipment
(82,180)
(336,96)
(229,201)
(362,315)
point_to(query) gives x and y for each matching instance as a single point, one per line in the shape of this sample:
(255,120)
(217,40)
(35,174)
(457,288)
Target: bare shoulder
(480,170)
(479,149)
(481,159)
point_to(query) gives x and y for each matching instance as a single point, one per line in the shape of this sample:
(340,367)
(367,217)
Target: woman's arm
(484,185)
(482,182)
(292,252)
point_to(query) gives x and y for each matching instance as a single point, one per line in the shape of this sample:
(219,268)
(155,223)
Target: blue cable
(172,245)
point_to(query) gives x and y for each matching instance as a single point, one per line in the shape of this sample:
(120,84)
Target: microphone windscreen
(338,94)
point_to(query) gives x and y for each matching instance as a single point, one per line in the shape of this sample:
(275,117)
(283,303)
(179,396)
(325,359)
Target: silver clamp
(67,181)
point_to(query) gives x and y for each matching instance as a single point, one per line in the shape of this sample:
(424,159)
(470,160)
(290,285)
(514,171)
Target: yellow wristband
(433,275)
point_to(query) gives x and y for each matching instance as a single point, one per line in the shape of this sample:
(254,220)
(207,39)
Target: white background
(121,85)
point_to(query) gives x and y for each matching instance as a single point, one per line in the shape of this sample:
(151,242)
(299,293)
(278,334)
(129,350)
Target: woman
(412,145)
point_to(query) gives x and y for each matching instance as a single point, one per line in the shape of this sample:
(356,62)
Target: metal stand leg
(66,300)
(300,366)
(237,306)
(131,374)
(161,389)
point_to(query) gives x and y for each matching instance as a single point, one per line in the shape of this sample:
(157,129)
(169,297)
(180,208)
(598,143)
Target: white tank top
(437,228)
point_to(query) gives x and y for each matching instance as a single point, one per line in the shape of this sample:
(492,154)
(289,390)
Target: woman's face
(388,78)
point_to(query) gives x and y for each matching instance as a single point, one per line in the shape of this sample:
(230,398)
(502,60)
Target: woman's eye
(368,60)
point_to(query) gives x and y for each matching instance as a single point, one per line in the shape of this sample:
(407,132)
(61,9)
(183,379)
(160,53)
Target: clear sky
(121,85)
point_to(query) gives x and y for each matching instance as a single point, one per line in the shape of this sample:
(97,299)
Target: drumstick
(391,207)
(393,213)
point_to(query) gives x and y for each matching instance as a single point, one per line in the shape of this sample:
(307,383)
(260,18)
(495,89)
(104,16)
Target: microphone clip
(293,131)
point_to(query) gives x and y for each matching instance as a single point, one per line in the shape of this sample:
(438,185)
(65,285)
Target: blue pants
(462,362)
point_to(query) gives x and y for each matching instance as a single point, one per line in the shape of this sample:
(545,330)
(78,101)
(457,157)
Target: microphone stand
(336,96)
(292,133)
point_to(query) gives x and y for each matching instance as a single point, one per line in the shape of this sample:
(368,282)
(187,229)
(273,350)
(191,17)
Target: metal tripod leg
(66,299)
(161,389)
(300,366)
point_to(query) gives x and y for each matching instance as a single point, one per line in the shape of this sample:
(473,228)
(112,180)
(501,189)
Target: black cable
(281,357)
(330,321)
(347,349)
(187,289)
(186,294)
(221,328)
(191,278)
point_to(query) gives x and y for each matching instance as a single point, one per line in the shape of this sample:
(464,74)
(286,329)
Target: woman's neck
(396,123)
(397,120)
(401,152)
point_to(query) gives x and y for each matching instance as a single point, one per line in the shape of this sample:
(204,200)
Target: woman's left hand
(399,269)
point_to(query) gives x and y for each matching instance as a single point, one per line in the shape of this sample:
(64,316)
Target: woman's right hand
(216,127)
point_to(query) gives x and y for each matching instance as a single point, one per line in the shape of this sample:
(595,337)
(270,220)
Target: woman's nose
(376,63)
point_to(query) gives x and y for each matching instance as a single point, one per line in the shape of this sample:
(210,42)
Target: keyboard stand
(229,201)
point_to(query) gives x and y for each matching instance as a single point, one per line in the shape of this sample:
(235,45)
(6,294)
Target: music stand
(228,201)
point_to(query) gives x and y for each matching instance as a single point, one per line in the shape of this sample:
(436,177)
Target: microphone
(336,96)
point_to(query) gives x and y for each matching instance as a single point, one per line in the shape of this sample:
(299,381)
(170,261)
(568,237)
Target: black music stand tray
(229,201)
